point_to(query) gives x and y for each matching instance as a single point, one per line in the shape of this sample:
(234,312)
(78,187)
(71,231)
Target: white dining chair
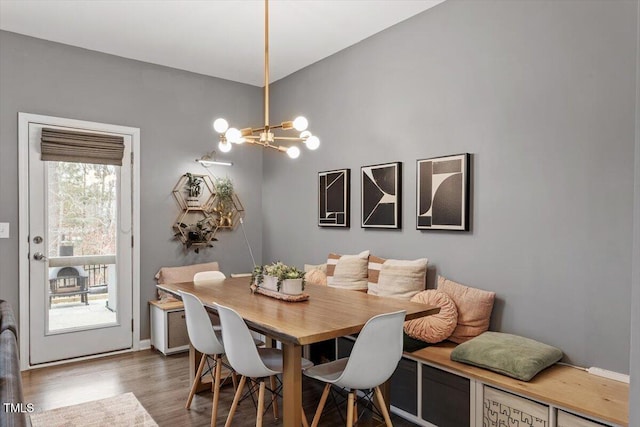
(249,361)
(368,366)
(208,277)
(206,339)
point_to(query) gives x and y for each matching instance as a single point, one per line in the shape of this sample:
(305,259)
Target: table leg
(292,385)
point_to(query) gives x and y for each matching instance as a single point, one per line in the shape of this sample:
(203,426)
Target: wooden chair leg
(323,400)
(260,404)
(196,380)
(350,410)
(234,378)
(355,406)
(305,422)
(236,399)
(216,390)
(383,407)
(274,396)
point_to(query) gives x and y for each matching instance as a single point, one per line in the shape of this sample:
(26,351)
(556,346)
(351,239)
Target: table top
(328,313)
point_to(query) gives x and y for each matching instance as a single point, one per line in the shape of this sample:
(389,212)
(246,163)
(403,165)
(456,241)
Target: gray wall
(542,93)
(174,110)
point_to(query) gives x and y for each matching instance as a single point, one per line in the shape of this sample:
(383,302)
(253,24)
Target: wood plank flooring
(161,384)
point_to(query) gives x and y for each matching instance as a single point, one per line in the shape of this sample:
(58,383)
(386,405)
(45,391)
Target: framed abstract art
(334,198)
(381,195)
(442,187)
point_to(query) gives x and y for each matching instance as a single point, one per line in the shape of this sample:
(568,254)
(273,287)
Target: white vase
(193,202)
(269,282)
(291,286)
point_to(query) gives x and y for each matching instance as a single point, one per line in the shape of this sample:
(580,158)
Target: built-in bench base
(430,389)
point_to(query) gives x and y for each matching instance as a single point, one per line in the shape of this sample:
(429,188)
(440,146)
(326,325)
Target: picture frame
(334,198)
(381,196)
(442,193)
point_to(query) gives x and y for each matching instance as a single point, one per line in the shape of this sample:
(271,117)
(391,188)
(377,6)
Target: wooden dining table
(327,313)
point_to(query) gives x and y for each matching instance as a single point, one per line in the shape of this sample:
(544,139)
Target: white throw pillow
(321,267)
(400,278)
(350,271)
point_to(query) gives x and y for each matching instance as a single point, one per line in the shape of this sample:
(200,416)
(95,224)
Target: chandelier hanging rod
(264,136)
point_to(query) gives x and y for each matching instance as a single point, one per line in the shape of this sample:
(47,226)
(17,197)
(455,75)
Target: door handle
(39,256)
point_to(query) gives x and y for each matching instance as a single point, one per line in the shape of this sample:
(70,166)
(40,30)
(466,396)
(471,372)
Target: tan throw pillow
(184,273)
(400,278)
(375,264)
(474,309)
(316,277)
(321,267)
(437,327)
(348,271)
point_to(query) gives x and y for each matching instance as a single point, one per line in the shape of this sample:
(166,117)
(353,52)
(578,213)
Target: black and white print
(381,195)
(442,193)
(334,198)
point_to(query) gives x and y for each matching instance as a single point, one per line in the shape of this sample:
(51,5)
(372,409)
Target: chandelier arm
(288,138)
(266,63)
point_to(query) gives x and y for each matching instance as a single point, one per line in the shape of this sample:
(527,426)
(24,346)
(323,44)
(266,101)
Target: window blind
(81,147)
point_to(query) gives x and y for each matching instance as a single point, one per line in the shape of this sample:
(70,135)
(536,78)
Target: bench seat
(559,385)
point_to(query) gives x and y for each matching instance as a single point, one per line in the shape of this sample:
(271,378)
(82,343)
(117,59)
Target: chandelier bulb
(224,146)
(313,142)
(233,135)
(220,125)
(305,134)
(293,152)
(300,123)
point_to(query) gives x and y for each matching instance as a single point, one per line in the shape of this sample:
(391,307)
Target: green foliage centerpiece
(279,277)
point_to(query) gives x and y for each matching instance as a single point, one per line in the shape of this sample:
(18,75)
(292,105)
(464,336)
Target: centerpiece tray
(279,295)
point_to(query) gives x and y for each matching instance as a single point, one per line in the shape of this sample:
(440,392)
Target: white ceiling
(221,38)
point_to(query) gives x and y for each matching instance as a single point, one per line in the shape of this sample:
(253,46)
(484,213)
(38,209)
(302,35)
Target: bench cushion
(511,355)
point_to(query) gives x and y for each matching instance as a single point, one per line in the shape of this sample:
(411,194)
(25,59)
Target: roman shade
(81,147)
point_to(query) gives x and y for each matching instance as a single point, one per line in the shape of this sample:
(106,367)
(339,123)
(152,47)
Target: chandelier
(265,136)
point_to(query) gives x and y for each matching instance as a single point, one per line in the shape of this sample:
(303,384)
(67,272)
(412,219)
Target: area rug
(123,410)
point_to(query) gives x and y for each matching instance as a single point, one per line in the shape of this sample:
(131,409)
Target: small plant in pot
(279,277)
(194,189)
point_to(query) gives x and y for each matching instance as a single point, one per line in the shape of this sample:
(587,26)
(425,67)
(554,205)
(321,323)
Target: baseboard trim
(144,344)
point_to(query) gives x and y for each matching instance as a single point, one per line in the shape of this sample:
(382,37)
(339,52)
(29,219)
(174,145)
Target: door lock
(37,239)
(39,256)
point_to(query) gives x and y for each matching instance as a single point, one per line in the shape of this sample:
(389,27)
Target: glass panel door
(81,245)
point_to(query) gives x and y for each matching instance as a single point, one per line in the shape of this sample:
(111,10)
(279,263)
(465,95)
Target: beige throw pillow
(349,271)
(321,267)
(316,277)
(184,273)
(474,309)
(400,278)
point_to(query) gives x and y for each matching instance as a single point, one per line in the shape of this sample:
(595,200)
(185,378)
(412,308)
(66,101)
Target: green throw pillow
(518,357)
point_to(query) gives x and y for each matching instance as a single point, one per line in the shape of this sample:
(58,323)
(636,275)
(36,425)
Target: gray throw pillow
(512,355)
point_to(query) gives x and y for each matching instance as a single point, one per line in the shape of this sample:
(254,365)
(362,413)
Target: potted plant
(224,195)
(279,277)
(194,189)
(197,235)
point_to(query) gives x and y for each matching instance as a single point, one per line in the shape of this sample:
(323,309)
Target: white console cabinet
(168,327)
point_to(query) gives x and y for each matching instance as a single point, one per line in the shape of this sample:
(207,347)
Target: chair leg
(260,404)
(350,409)
(274,396)
(355,406)
(323,400)
(216,390)
(305,422)
(234,378)
(236,399)
(383,407)
(196,380)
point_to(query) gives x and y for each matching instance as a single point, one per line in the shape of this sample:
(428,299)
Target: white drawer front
(505,409)
(566,419)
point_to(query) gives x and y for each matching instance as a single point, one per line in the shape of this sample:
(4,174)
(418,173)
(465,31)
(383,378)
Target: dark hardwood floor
(161,384)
